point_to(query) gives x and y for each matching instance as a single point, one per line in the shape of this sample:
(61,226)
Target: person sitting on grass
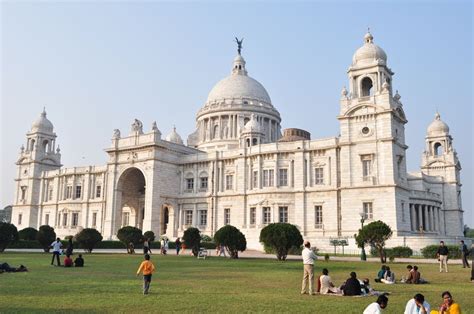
(378,306)
(408,278)
(326,284)
(448,306)
(417,305)
(68,261)
(380,273)
(79,261)
(351,286)
(389,277)
(417,276)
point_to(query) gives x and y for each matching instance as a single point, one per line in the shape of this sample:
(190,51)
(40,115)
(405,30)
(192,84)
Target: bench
(202,253)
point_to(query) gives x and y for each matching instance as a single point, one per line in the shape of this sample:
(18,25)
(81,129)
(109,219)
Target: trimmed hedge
(292,251)
(430,251)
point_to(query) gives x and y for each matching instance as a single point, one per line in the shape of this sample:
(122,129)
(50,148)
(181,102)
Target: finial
(437,115)
(22,149)
(43,114)
(154,127)
(239,44)
(58,150)
(368,37)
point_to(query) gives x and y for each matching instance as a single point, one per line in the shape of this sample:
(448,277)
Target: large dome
(42,124)
(437,127)
(369,52)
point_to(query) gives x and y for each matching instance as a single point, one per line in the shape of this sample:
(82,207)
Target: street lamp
(363,217)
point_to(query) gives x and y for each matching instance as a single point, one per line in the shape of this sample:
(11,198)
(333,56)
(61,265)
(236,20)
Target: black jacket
(352,287)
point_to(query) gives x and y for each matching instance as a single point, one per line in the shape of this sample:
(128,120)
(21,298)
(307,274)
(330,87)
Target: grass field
(108,283)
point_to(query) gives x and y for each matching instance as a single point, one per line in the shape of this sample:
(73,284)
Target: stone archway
(131,191)
(165,216)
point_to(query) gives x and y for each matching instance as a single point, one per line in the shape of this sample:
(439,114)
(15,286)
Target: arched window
(438,149)
(215,131)
(248,142)
(254,141)
(45,146)
(366,87)
(32,145)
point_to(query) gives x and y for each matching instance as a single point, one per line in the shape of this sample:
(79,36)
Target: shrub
(8,234)
(326,257)
(192,239)
(206,238)
(129,234)
(88,238)
(402,251)
(231,237)
(430,251)
(281,237)
(45,237)
(150,235)
(27,234)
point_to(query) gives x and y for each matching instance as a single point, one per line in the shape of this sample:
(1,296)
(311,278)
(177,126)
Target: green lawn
(185,284)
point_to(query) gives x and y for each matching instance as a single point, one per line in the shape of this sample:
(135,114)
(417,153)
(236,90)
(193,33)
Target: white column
(412,217)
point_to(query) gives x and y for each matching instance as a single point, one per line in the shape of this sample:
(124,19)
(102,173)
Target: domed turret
(369,52)
(174,137)
(252,126)
(437,127)
(42,124)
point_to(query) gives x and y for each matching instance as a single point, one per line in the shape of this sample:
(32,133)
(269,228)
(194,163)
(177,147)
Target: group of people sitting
(78,262)
(351,287)
(385,275)
(413,276)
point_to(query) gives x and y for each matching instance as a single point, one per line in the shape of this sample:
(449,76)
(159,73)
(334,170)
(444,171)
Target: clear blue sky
(98,65)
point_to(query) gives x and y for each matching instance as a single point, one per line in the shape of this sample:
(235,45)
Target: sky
(98,65)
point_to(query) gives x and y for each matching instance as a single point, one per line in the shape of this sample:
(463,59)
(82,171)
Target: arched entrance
(131,199)
(165,217)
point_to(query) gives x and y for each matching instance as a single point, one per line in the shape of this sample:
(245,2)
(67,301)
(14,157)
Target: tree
(375,234)
(150,235)
(192,239)
(8,234)
(28,234)
(281,237)
(129,234)
(88,238)
(45,237)
(231,237)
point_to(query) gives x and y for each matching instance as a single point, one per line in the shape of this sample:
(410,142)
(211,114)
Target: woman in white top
(388,277)
(326,284)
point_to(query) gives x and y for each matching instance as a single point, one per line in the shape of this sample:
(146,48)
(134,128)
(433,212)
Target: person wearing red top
(68,261)
(147,268)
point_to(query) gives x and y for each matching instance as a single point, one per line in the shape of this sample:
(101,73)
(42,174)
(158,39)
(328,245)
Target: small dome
(252,126)
(174,137)
(437,127)
(42,124)
(369,52)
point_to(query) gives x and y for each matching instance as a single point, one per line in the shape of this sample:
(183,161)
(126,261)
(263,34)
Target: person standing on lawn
(464,254)
(56,245)
(147,268)
(308,269)
(442,255)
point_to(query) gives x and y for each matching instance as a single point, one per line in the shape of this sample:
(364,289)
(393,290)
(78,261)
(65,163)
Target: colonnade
(425,218)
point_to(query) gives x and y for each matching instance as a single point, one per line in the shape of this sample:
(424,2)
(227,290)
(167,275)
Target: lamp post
(363,217)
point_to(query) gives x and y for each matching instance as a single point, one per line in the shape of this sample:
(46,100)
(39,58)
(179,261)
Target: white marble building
(238,169)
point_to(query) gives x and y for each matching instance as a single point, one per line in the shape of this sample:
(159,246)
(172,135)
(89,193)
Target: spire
(368,38)
(43,114)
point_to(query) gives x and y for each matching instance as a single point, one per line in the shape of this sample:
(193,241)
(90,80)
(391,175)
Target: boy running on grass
(147,268)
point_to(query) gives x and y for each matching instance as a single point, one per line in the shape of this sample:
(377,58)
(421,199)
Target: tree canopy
(375,234)
(192,239)
(231,237)
(8,234)
(281,237)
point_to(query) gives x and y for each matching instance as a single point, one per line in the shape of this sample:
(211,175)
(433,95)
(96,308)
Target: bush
(292,251)
(192,239)
(430,251)
(8,234)
(206,238)
(28,234)
(402,251)
(25,244)
(326,257)
(150,235)
(281,237)
(88,238)
(45,237)
(231,237)
(129,234)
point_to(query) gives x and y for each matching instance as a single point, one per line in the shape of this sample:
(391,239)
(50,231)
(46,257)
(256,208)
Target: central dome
(238,86)
(369,52)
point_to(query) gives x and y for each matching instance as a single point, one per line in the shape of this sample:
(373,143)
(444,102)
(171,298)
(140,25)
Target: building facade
(238,168)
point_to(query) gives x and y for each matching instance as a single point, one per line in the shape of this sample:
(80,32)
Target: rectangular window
(188,217)
(50,194)
(203,185)
(403,211)
(229,180)
(268,178)
(255,179)
(366,166)
(126,219)
(98,191)
(23,193)
(20,218)
(46,219)
(283,214)
(319,175)
(75,219)
(318,216)
(283,177)
(68,192)
(78,191)
(203,217)
(267,215)
(253,216)
(94,219)
(368,210)
(226,216)
(64,220)
(189,184)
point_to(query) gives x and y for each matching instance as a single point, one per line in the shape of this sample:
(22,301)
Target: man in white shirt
(417,305)
(56,245)
(308,265)
(376,307)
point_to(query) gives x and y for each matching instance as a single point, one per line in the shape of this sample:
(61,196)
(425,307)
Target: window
(98,191)
(126,219)
(403,211)
(203,185)
(94,219)
(50,194)
(267,215)
(438,149)
(20,218)
(283,177)
(229,180)
(255,179)
(75,219)
(23,193)
(318,216)
(188,217)
(267,178)
(226,216)
(366,166)
(64,219)
(366,87)
(253,215)
(78,191)
(68,192)
(283,214)
(46,219)
(368,210)
(319,175)
(203,217)
(189,184)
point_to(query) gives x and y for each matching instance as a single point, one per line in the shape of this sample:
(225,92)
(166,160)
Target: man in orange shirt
(147,268)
